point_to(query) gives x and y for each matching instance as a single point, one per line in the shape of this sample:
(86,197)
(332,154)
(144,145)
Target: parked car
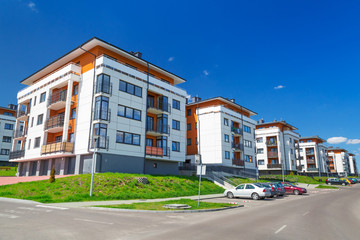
(352,180)
(355,180)
(271,188)
(336,181)
(249,190)
(280,188)
(291,188)
(349,181)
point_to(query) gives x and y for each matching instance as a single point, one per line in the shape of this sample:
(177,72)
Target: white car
(249,190)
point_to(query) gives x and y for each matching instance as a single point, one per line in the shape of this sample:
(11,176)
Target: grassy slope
(108,186)
(8,173)
(159,205)
(288,178)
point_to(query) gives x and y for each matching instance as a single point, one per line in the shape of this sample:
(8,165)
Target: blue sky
(296,61)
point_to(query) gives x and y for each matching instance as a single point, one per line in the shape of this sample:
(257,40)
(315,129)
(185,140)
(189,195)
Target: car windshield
(291,184)
(266,185)
(258,185)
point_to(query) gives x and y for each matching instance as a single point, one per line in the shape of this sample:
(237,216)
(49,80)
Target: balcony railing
(275,165)
(273,154)
(158,130)
(238,162)
(309,152)
(157,151)
(59,96)
(312,169)
(299,168)
(53,122)
(160,107)
(57,147)
(19,133)
(238,146)
(271,143)
(236,130)
(17,154)
(22,113)
(310,161)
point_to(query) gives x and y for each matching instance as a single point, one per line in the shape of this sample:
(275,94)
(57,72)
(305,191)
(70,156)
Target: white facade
(352,163)
(313,157)
(283,142)
(7,125)
(341,162)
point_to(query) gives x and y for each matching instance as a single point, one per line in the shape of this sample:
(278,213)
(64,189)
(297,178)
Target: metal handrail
(58,96)
(157,151)
(236,130)
(238,146)
(273,154)
(19,133)
(238,162)
(16,154)
(164,109)
(157,129)
(57,121)
(275,165)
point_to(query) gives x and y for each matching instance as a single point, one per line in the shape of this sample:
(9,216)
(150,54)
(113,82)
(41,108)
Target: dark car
(272,189)
(336,181)
(291,188)
(279,188)
(353,180)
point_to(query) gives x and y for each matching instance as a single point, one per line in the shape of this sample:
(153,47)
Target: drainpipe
(146,97)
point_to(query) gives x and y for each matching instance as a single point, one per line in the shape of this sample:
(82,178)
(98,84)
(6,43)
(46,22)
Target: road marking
(8,216)
(92,221)
(52,207)
(33,209)
(280,229)
(306,213)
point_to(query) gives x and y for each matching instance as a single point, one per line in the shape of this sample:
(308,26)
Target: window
(71,137)
(6,139)
(8,114)
(226,122)
(175,125)
(188,126)
(261,162)
(128,112)
(42,97)
(37,142)
(248,158)
(247,129)
(227,155)
(291,151)
(100,130)
(196,141)
(247,143)
(9,126)
(101,108)
(75,90)
(103,83)
(40,119)
(188,142)
(5,151)
(188,112)
(29,144)
(32,121)
(58,139)
(300,150)
(290,140)
(260,150)
(34,100)
(227,138)
(259,140)
(130,88)
(73,113)
(248,186)
(128,138)
(176,104)
(176,146)
(149,142)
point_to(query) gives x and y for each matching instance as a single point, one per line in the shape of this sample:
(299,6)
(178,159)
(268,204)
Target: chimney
(232,100)
(136,54)
(12,106)
(196,99)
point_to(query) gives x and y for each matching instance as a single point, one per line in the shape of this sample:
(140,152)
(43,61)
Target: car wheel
(255,196)
(329,183)
(230,195)
(296,192)
(343,184)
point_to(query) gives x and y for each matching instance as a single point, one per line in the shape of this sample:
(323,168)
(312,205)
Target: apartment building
(313,155)
(222,132)
(353,165)
(7,125)
(339,161)
(100,98)
(276,144)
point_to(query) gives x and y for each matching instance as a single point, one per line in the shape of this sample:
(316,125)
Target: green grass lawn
(326,186)
(108,186)
(8,173)
(159,205)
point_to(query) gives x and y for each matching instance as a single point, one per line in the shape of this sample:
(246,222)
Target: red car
(291,188)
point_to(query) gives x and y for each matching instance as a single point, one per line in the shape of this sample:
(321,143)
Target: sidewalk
(13,180)
(113,202)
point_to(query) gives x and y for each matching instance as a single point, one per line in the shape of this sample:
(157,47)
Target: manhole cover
(177,206)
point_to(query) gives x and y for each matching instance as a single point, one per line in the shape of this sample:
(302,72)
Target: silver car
(249,190)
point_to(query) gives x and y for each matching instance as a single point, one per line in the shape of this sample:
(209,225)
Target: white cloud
(353,141)
(171,59)
(279,87)
(336,140)
(206,72)
(32,6)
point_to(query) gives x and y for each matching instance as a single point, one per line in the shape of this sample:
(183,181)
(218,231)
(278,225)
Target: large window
(101,108)
(37,142)
(247,143)
(188,112)
(9,126)
(248,158)
(259,140)
(176,146)
(73,113)
(188,142)
(42,97)
(226,137)
(127,138)
(100,131)
(130,88)
(247,129)
(6,139)
(176,104)
(227,155)
(188,126)
(40,119)
(261,162)
(175,125)
(5,151)
(128,112)
(260,150)
(226,122)
(103,83)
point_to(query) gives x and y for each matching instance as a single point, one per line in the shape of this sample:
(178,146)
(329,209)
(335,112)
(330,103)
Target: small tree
(52,175)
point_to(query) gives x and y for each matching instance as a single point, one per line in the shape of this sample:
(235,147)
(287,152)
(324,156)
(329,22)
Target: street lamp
(93,164)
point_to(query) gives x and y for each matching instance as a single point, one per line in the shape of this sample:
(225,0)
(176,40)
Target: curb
(152,211)
(17,200)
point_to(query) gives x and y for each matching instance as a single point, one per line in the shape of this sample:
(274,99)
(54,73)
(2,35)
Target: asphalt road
(323,214)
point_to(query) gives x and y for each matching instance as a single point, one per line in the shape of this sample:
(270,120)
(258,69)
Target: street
(322,214)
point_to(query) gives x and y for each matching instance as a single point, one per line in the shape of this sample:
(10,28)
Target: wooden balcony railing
(57,147)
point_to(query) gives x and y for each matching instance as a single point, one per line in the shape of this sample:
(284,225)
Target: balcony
(271,143)
(19,134)
(275,165)
(17,154)
(299,168)
(159,108)
(158,130)
(22,115)
(57,100)
(238,162)
(57,147)
(236,131)
(237,146)
(157,151)
(272,154)
(310,161)
(312,169)
(54,124)
(309,152)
